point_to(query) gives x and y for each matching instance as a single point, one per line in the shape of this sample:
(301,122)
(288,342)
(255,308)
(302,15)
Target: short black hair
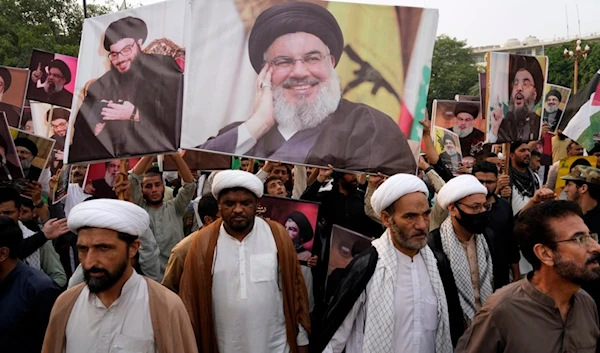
(515,146)
(25,202)
(485,167)
(208,206)
(533,226)
(153,171)
(8,194)
(11,236)
(573,142)
(270,179)
(593,189)
(536,153)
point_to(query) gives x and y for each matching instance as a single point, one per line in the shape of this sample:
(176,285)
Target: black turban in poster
(532,65)
(293,17)
(128,27)
(469,108)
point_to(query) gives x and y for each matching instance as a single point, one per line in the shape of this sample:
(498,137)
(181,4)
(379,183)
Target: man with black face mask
(464,249)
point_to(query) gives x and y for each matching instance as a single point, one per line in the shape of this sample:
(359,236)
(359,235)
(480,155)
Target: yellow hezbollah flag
(371,67)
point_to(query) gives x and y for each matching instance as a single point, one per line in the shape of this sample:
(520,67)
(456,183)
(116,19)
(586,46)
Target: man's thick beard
(52,87)
(99,285)
(110,180)
(578,275)
(304,115)
(522,111)
(403,240)
(462,132)
(451,152)
(25,164)
(552,109)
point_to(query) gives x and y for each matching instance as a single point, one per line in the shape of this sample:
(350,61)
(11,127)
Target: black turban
(532,65)
(128,27)
(27,143)
(64,69)
(448,137)
(304,227)
(554,93)
(59,113)
(6,76)
(293,17)
(468,108)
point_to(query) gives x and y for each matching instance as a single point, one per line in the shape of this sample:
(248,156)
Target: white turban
(394,188)
(120,216)
(458,188)
(228,179)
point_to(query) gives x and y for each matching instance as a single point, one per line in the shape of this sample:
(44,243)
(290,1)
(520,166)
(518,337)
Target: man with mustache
(27,151)
(525,88)
(53,89)
(471,139)
(450,157)
(465,250)
(104,188)
(552,113)
(134,108)
(545,312)
(115,309)
(392,298)
(242,283)
(59,123)
(299,115)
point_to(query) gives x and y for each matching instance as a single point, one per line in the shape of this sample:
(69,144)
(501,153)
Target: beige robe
(172,328)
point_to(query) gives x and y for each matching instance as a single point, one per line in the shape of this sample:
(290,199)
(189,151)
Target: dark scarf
(525,182)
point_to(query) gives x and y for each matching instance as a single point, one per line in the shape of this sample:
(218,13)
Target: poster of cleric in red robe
(309,82)
(298,217)
(13,83)
(129,85)
(52,78)
(515,97)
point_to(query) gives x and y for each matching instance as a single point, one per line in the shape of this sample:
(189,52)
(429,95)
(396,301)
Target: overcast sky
(487,22)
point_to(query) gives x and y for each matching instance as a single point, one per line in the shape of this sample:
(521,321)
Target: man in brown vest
(242,284)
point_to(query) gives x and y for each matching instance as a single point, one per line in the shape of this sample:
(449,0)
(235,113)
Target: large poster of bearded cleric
(129,84)
(13,83)
(52,78)
(515,97)
(309,82)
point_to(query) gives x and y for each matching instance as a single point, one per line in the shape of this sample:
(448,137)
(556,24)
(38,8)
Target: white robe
(415,306)
(125,326)
(247,299)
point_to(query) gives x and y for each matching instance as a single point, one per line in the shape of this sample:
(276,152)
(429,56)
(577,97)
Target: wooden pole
(123,169)
(575,74)
(506,153)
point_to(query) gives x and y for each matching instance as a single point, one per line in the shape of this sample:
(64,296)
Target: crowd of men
(485,258)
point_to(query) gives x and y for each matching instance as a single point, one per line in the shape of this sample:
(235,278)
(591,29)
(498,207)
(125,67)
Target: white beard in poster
(462,132)
(306,115)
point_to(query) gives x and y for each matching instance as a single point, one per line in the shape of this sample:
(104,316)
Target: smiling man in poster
(299,115)
(135,107)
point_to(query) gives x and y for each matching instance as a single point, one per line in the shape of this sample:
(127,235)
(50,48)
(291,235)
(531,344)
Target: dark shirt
(520,318)
(26,299)
(500,220)
(592,219)
(13,114)
(472,144)
(62,98)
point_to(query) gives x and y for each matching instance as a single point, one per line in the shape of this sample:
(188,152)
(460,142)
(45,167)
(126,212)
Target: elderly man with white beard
(299,115)
(464,126)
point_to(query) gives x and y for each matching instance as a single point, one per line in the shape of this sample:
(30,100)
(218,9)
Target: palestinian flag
(582,114)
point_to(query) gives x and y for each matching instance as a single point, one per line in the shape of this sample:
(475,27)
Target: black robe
(13,114)
(154,85)
(355,137)
(515,129)
(473,144)
(61,98)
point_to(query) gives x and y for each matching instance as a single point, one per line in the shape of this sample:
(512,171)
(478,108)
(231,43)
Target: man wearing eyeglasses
(545,312)
(59,120)
(299,115)
(53,89)
(525,89)
(465,250)
(134,108)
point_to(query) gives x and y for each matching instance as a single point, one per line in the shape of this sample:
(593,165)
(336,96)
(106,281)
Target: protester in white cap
(115,307)
(464,248)
(242,283)
(402,304)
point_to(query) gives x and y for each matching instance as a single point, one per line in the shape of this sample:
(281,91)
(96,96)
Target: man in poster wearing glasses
(299,115)
(134,108)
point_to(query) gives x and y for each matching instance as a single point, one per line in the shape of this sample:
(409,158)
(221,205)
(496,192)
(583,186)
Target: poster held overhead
(52,78)
(465,120)
(130,77)
(10,166)
(13,83)
(343,98)
(556,99)
(516,97)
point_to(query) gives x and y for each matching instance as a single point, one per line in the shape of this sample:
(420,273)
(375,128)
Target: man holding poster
(134,108)
(299,115)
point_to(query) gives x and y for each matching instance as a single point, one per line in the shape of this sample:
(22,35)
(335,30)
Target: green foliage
(453,70)
(50,25)
(560,69)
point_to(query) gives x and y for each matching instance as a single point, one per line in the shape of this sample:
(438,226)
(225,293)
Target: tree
(50,25)
(453,70)
(560,69)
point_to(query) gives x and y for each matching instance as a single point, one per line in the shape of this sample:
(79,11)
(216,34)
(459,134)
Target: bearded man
(552,113)
(299,116)
(525,87)
(133,109)
(392,297)
(103,188)
(53,89)
(450,157)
